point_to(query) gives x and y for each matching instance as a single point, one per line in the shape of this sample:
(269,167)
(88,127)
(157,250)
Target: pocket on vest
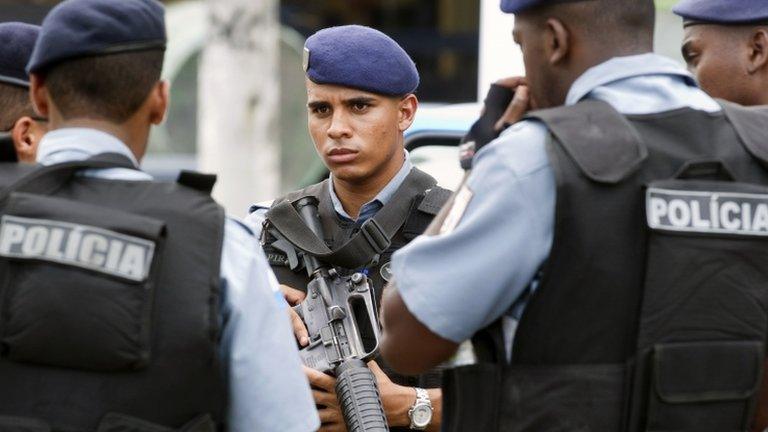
(704,317)
(77,284)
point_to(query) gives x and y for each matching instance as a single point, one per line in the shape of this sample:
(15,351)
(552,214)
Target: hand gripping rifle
(340,315)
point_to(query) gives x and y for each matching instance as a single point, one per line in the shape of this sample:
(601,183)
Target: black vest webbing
(424,205)
(626,318)
(83,349)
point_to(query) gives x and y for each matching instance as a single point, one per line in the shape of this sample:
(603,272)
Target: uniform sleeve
(255,220)
(459,282)
(268,390)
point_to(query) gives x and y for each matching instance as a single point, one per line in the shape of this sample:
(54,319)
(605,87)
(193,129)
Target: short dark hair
(111,87)
(608,21)
(15,103)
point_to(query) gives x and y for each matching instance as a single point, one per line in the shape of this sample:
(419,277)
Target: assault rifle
(343,326)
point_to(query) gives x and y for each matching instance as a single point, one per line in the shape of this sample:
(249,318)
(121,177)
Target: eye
(690,56)
(360,106)
(321,110)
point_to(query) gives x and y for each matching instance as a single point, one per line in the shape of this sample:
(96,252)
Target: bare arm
(407,345)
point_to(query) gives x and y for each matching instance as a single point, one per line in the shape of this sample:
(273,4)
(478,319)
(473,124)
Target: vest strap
(49,178)
(598,138)
(750,124)
(375,235)
(198,181)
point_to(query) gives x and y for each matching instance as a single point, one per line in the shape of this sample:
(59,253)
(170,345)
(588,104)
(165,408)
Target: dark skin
(359,137)
(730,62)
(134,132)
(557,49)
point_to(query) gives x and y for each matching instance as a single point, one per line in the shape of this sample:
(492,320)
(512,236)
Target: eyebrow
(317,104)
(359,100)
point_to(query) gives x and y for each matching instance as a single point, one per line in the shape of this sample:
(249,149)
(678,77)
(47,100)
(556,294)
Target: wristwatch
(421,411)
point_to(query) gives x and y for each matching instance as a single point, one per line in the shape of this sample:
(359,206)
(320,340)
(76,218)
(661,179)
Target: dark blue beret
(723,11)
(17,40)
(362,58)
(87,28)
(517,6)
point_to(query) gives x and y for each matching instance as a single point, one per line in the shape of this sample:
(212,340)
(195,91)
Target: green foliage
(665,4)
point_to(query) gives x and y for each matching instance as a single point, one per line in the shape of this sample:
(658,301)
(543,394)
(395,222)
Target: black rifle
(340,315)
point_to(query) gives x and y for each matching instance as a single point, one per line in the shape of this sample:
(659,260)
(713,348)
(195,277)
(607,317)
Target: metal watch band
(422,399)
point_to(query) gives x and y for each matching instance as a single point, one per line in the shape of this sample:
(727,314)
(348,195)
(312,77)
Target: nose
(340,127)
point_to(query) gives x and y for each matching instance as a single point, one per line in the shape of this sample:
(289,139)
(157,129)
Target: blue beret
(517,6)
(17,40)
(723,11)
(87,28)
(362,58)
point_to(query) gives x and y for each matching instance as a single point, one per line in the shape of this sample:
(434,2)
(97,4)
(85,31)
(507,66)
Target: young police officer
(20,128)
(600,255)
(130,304)
(726,47)
(360,86)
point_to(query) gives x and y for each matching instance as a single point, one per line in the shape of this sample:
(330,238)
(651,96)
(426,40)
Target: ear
(407,108)
(160,99)
(26,136)
(38,92)
(758,50)
(557,43)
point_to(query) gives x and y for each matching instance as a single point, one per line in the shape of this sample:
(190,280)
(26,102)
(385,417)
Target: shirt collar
(383,197)
(621,68)
(70,144)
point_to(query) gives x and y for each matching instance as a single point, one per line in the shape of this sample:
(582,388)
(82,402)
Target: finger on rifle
(333,427)
(299,328)
(512,82)
(292,295)
(517,108)
(320,380)
(325,399)
(374,367)
(330,415)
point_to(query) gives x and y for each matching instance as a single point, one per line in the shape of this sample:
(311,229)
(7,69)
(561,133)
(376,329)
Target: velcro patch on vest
(83,246)
(704,212)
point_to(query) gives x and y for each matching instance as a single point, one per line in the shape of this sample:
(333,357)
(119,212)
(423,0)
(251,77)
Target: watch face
(422,415)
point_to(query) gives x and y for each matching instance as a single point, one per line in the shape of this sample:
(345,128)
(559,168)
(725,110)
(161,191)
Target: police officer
(21,128)
(130,304)
(726,47)
(360,87)
(586,257)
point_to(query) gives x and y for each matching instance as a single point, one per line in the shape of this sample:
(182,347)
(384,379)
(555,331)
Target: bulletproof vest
(652,309)
(109,304)
(12,171)
(420,198)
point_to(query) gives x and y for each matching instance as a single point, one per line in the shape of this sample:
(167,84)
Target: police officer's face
(719,56)
(358,135)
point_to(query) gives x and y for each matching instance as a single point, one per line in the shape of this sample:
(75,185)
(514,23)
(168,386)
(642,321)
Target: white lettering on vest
(707,212)
(83,246)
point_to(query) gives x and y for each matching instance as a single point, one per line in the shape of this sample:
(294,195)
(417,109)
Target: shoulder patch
(458,208)
(82,246)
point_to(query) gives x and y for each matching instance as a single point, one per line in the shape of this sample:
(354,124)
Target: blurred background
(238,100)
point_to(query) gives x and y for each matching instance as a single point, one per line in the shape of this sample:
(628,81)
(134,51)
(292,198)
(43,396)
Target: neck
(133,136)
(355,194)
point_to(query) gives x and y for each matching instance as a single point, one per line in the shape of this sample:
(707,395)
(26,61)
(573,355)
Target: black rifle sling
(47,179)
(375,234)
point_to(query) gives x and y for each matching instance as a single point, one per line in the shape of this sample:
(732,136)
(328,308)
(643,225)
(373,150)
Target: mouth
(341,155)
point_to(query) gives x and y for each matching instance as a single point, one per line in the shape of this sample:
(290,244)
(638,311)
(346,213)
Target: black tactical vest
(109,304)
(652,312)
(425,202)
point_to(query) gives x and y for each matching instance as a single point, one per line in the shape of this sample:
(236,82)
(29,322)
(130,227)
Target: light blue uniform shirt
(367,211)
(267,388)
(506,232)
